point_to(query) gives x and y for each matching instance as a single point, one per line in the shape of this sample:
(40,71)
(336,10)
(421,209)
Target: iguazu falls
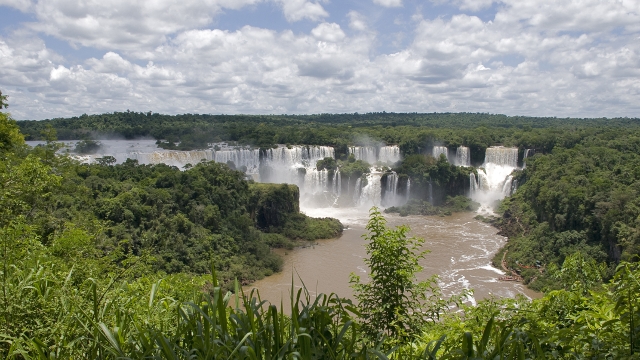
(323,188)
(259,222)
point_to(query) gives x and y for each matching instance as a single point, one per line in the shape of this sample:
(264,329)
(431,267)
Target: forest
(147,261)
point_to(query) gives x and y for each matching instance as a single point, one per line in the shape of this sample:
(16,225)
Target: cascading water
(391,196)
(389,154)
(283,164)
(173,158)
(527,153)
(430,193)
(385,154)
(473,184)
(438,150)
(463,156)
(357,191)
(240,157)
(494,178)
(372,192)
(365,153)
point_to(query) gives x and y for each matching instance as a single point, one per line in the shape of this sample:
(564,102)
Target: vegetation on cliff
(584,199)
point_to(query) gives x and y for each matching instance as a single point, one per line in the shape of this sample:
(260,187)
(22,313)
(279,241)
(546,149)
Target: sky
(564,58)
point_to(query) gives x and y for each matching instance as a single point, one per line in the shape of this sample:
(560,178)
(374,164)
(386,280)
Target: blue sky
(516,57)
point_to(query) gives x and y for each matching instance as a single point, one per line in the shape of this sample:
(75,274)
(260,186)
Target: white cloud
(296,10)
(388,3)
(357,21)
(472,5)
(558,60)
(328,32)
(124,24)
(22,5)
(572,15)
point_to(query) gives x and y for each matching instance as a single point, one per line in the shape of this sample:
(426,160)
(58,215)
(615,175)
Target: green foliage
(274,208)
(87,147)
(581,199)
(3,101)
(327,163)
(10,136)
(434,178)
(271,204)
(392,303)
(354,169)
(450,205)
(580,274)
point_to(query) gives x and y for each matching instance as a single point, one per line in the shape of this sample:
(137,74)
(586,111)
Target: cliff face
(271,204)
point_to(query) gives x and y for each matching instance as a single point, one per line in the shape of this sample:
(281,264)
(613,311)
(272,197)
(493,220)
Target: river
(461,251)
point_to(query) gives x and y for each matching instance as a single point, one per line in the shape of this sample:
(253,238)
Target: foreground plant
(393,303)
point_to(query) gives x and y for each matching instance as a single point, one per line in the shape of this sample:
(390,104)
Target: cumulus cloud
(22,5)
(357,21)
(328,32)
(472,5)
(388,3)
(124,24)
(572,15)
(296,10)
(528,59)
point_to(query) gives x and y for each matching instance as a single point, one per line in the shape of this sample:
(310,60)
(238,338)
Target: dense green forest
(138,261)
(412,132)
(580,191)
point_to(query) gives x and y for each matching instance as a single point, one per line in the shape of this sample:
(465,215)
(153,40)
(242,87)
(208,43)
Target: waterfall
(372,192)
(389,154)
(437,150)
(386,154)
(473,187)
(171,157)
(391,196)
(283,164)
(365,153)
(506,188)
(408,189)
(240,157)
(357,190)
(316,181)
(337,183)
(430,193)
(494,178)
(463,157)
(502,156)
(527,153)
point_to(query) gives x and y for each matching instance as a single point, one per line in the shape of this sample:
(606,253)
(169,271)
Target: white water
(438,150)
(494,180)
(463,156)
(387,155)
(527,153)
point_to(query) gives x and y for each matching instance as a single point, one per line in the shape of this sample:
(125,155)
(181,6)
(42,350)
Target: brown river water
(461,251)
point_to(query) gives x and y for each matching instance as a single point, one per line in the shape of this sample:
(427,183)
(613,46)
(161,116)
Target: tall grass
(211,325)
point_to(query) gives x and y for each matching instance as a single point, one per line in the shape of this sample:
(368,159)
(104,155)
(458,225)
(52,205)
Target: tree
(3,101)
(10,135)
(392,302)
